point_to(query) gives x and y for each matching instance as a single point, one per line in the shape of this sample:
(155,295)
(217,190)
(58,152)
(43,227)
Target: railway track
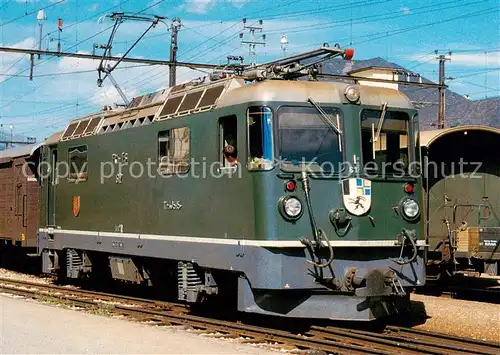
(333,340)
(479,289)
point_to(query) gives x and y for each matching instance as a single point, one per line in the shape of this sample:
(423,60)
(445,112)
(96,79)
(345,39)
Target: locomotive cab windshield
(385,138)
(309,137)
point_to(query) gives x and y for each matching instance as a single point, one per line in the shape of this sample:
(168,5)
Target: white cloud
(26,43)
(154,5)
(238,3)
(67,64)
(94,7)
(199,6)
(204,6)
(11,62)
(490,59)
(405,10)
(79,91)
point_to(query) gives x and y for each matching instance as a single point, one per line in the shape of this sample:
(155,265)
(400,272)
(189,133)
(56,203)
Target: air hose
(450,242)
(400,261)
(318,234)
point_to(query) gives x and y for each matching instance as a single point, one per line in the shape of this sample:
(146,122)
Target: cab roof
(191,98)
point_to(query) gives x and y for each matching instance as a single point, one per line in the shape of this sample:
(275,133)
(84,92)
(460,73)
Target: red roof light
(349,53)
(409,188)
(290,186)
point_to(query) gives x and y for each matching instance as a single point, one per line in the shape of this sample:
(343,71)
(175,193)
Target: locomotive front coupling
(371,283)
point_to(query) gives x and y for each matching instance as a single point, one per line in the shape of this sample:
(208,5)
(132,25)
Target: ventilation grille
(81,128)
(211,96)
(147,99)
(171,105)
(135,122)
(191,101)
(69,131)
(92,126)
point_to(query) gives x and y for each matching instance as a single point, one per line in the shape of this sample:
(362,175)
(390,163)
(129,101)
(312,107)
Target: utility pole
(176,24)
(442,89)
(253,41)
(59,30)
(41,18)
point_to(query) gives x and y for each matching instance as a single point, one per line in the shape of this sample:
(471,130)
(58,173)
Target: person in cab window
(230,156)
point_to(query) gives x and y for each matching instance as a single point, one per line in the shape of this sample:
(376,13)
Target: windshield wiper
(376,135)
(380,121)
(328,120)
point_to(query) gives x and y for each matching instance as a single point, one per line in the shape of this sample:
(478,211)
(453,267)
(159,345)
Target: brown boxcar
(19,196)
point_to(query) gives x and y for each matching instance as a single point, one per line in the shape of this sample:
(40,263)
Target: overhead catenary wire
(208,38)
(5,4)
(371,18)
(226,39)
(478,72)
(82,104)
(428,24)
(235,35)
(384,34)
(32,12)
(63,118)
(72,72)
(478,85)
(288,3)
(66,27)
(75,45)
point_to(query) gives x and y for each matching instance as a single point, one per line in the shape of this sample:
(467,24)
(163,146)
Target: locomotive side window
(306,137)
(174,151)
(387,151)
(228,143)
(260,138)
(77,157)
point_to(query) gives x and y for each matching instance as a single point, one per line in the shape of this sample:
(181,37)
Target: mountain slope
(459,110)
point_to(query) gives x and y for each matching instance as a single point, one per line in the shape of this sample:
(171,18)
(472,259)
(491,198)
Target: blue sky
(402,31)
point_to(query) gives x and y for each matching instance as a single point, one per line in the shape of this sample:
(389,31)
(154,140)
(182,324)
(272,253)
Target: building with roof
(459,109)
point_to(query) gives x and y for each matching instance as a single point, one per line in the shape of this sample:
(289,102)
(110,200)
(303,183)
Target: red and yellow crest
(76,205)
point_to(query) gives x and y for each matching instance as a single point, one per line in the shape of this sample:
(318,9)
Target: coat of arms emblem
(357,195)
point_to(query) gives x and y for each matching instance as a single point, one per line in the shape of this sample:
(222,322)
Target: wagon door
(20,208)
(51,188)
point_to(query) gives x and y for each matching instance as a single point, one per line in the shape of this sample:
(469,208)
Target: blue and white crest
(357,195)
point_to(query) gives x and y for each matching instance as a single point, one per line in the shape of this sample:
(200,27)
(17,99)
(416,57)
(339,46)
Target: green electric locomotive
(297,198)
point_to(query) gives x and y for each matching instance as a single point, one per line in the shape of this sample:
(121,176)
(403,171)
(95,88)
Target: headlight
(290,207)
(411,209)
(352,94)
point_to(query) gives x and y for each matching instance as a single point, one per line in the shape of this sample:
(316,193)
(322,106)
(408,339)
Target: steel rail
(103,296)
(396,340)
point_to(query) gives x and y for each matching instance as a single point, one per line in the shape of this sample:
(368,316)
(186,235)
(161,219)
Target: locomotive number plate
(172,205)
